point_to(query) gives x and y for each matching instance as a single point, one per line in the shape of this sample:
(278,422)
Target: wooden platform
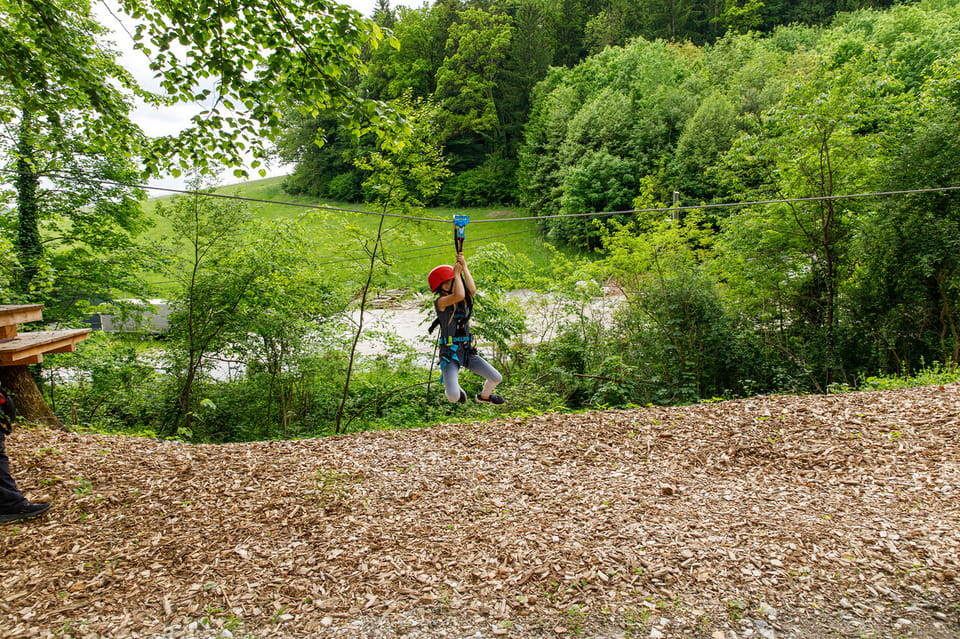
(20,349)
(11,315)
(29,348)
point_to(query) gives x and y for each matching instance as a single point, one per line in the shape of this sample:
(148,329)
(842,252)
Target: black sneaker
(492,399)
(28,511)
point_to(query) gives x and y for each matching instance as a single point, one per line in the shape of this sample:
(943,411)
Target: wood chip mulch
(774,517)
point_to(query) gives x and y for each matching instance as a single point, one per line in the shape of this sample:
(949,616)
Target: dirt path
(783,517)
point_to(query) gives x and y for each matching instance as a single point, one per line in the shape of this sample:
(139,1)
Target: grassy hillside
(414,247)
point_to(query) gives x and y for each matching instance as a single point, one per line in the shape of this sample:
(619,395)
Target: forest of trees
(580,107)
(480,61)
(733,143)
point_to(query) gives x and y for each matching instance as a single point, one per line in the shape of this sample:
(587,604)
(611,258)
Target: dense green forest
(646,105)
(768,184)
(481,60)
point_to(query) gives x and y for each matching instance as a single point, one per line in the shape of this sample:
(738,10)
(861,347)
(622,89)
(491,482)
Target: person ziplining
(455,290)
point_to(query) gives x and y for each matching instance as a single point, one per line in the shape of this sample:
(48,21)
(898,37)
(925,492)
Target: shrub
(492,181)
(345,187)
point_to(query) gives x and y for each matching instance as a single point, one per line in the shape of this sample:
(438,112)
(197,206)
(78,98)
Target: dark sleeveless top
(456,342)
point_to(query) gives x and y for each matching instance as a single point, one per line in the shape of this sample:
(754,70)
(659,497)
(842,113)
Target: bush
(493,181)
(345,187)
(681,345)
(109,385)
(935,374)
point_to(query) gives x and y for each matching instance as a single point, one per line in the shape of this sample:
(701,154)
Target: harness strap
(468,302)
(456,353)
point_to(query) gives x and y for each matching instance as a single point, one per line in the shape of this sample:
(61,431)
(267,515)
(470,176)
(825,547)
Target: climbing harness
(455,342)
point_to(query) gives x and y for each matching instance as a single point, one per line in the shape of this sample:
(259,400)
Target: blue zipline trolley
(459,225)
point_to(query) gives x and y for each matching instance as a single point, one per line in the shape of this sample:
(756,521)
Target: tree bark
(27,182)
(356,338)
(31,406)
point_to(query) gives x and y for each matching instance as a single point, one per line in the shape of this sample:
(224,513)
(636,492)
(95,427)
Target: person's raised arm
(471,286)
(456,293)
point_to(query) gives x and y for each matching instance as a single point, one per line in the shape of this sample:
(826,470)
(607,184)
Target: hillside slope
(783,517)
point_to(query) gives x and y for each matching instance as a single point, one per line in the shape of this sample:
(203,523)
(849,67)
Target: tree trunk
(31,406)
(356,338)
(27,182)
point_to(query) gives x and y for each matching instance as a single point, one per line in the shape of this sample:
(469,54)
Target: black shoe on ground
(492,399)
(28,511)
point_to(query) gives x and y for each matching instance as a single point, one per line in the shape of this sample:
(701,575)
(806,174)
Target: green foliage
(706,136)
(742,17)
(933,375)
(503,270)
(598,182)
(829,134)
(570,364)
(802,295)
(345,187)
(539,161)
(400,178)
(905,297)
(65,112)
(111,384)
(8,264)
(598,127)
(678,343)
(322,171)
(246,293)
(275,56)
(66,105)
(476,48)
(421,35)
(492,182)
(403,177)
(480,63)
(53,66)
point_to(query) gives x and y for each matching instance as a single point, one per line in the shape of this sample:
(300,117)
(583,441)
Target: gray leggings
(478,365)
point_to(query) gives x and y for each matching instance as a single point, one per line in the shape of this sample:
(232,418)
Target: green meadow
(342,234)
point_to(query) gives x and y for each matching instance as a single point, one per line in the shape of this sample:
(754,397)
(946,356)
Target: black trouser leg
(10,496)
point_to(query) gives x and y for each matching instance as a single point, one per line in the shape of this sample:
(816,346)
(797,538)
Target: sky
(170,120)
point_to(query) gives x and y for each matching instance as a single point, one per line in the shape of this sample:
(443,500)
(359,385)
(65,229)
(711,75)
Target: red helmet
(439,275)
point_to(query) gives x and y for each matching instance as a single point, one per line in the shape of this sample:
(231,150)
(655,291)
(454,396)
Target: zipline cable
(435,248)
(241,198)
(716,205)
(432,248)
(663,209)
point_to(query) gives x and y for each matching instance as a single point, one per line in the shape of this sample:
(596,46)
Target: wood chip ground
(785,517)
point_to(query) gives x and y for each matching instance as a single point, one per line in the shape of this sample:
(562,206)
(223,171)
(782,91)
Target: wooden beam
(13,314)
(67,348)
(28,345)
